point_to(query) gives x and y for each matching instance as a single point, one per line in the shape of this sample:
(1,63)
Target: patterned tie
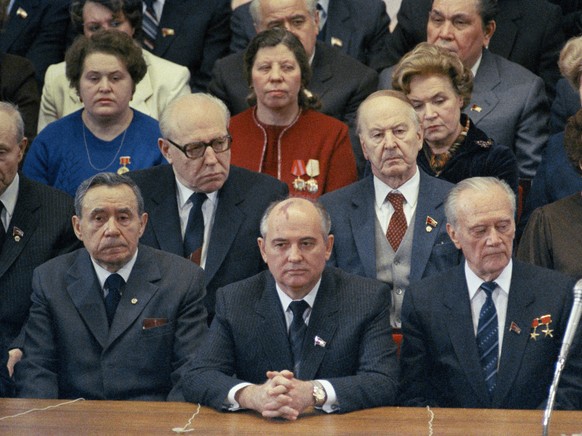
(488,337)
(194,236)
(397,227)
(150,25)
(114,283)
(297,331)
(2,229)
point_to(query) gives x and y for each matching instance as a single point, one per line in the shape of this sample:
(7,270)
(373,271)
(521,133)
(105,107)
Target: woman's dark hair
(573,140)
(110,42)
(132,10)
(272,38)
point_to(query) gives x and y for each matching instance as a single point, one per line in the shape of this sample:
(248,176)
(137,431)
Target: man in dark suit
(193,33)
(528,33)
(37,30)
(113,320)
(487,334)
(235,197)
(340,81)
(359,28)
(300,334)
(391,137)
(519,122)
(35,227)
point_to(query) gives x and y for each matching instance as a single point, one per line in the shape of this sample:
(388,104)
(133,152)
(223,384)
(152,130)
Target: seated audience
(508,102)
(193,33)
(18,86)
(113,320)
(439,86)
(200,206)
(553,235)
(487,333)
(567,101)
(299,335)
(341,81)
(358,28)
(282,134)
(163,81)
(35,226)
(107,134)
(391,225)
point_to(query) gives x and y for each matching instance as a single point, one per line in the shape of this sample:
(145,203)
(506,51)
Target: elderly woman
(553,235)
(282,134)
(106,135)
(439,86)
(163,81)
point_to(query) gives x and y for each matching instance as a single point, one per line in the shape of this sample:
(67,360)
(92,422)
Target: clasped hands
(281,396)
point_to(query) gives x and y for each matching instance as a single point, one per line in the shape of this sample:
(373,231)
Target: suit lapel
(322,72)
(461,332)
(25,218)
(140,288)
(85,291)
(484,99)
(423,242)
(18,23)
(339,25)
(506,34)
(145,90)
(272,329)
(173,15)
(363,223)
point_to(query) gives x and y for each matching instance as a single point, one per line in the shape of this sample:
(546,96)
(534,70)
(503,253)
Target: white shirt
(208,212)
(384,208)
(103,274)
(500,297)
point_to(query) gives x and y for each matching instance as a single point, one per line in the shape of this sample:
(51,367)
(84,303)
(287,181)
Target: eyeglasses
(194,150)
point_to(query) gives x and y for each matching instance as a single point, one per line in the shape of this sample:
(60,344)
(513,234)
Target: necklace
(89,154)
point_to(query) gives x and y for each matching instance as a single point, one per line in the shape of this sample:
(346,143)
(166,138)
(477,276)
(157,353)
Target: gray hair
(106,179)
(478,184)
(325,218)
(167,124)
(255,9)
(17,122)
(388,93)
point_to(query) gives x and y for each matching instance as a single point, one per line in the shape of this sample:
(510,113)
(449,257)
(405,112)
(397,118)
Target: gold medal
(312,171)
(298,169)
(124,161)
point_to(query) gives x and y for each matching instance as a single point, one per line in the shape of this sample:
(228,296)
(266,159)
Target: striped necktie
(150,25)
(297,331)
(488,337)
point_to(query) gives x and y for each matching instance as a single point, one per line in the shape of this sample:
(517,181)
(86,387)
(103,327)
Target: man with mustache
(401,242)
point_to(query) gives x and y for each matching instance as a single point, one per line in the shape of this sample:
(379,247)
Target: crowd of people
(290,205)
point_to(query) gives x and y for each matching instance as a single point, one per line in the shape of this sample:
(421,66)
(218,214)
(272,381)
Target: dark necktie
(150,24)
(194,235)
(114,283)
(488,337)
(2,229)
(297,331)
(397,227)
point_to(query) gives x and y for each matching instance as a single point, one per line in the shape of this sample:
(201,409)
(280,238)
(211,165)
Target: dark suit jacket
(341,83)
(566,104)
(353,220)
(528,32)
(70,351)
(249,337)
(360,26)
(233,253)
(37,30)
(18,86)
(43,214)
(439,357)
(201,35)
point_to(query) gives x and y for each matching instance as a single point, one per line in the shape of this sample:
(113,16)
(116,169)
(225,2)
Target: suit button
(399,291)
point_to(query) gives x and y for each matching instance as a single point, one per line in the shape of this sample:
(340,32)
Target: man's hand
(14,357)
(300,391)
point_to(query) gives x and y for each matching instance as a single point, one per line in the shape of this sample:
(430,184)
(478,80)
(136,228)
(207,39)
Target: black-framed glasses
(194,150)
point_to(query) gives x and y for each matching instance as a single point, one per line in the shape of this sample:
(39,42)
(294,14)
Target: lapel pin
(336,42)
(476,108)
(17,234)
(317,341)
(431,224)
(22,13)
(514,328)
(167,32)
(134,301)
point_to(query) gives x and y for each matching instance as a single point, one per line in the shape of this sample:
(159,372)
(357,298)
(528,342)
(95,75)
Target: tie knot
(198,198)
(298,308)
(114,281)
(396,199)
(488,287)
(149,3)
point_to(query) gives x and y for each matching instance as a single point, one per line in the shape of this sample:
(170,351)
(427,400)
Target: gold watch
(319,394)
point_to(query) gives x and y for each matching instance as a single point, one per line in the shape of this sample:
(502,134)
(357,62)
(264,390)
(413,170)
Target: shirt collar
(10,196)
(474,282)
(475,67)
(409,189)
(184,194)
(124,271)
(286,300)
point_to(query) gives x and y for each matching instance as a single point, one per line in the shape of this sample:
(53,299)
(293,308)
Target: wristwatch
(319,394)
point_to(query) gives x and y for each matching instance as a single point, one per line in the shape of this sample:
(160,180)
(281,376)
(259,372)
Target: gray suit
(71,352)
(249,337)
